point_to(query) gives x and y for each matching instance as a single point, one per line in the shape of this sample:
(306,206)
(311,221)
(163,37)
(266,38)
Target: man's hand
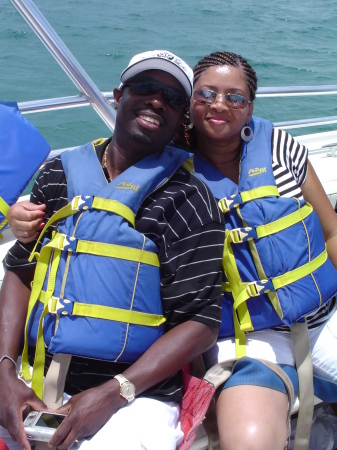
(15,400)
(26,220)
(87,413)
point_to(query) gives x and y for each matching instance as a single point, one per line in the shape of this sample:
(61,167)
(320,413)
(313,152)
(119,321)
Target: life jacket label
(127,186)
(257,171)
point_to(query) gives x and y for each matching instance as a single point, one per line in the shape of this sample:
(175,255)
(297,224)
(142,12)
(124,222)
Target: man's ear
(117,96)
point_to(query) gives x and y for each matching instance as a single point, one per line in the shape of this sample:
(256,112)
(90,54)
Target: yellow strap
(300,272)
(116,207)
(225,204)
(4,207)
(3,224)
(240,338)
(232,273)
(239,235)
(60,214)
(60,241)
(226,287)
(107,313)
(284,222)
(188,164)
(253,289)
(39,277)
(259,192)
(229,265)
(38,369)
(75,205)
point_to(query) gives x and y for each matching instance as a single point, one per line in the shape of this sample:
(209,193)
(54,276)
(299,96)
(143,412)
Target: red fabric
(3,446)
(197,397)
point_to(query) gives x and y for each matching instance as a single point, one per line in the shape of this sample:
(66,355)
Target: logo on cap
(172,58)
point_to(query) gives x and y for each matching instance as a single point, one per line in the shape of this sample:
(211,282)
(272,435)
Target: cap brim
(158,64)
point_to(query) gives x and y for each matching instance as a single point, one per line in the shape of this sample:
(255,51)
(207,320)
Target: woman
(221,109)
(252,407)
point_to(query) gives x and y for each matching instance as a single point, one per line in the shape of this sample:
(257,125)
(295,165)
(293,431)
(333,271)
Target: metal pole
(66,60)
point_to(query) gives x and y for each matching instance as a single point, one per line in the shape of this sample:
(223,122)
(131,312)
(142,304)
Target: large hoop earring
(247,133)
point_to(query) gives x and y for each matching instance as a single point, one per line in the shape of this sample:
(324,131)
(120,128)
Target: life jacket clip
(226,204)
(67,243)
(81,202)
(257,288)
(239,235)
(60,306)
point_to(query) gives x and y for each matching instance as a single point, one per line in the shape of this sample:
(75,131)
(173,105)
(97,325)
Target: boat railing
(75,101)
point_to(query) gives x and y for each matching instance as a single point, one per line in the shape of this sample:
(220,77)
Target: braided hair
(185,136)
(228,59)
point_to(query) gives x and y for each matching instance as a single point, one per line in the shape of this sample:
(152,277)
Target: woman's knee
(252,418)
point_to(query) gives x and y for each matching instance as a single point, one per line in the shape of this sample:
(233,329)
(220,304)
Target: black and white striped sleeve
(183,219)
(290,163)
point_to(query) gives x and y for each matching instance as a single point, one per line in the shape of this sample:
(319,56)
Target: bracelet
(8,357)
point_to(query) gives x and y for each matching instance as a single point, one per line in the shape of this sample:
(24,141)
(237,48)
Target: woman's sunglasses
(149,86)
(232,101)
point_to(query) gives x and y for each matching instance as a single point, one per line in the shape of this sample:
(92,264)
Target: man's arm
(91,409)
(15,396)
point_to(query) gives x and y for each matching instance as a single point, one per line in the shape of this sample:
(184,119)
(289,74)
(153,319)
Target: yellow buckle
(238,235)
(224,204)
(79,200)
(254,289)
(64,244)
(55,306)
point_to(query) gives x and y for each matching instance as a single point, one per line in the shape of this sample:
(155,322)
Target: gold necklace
(104,166)
(105,157)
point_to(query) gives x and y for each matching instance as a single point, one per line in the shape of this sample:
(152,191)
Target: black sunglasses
(148,86)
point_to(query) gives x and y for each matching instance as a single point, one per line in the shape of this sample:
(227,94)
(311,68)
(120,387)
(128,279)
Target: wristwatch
(127,389)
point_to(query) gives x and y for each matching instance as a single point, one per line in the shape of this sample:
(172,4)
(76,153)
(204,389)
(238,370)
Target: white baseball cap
(161,60)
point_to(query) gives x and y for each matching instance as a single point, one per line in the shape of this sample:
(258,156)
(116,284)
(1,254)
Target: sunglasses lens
(174,97)
(205,96)
(235,101)
(145,87)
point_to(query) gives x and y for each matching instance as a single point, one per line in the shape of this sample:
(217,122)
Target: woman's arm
(314,193)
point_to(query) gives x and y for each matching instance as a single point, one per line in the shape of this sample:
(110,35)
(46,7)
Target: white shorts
(143,424)
(277,347)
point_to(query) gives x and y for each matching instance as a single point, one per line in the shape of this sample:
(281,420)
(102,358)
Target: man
(181,218)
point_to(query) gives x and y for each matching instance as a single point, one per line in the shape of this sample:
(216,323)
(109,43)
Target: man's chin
(142,139)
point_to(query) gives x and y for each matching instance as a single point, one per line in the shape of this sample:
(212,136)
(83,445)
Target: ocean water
(287,42)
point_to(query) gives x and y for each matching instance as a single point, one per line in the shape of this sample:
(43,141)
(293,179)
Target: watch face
(128,390)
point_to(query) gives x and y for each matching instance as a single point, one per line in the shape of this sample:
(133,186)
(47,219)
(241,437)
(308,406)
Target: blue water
(287,42)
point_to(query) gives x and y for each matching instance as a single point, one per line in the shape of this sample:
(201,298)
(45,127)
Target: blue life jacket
(276,266)
(96,290)
(23,150)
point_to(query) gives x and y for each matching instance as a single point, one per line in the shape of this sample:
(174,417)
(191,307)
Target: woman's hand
(26,220)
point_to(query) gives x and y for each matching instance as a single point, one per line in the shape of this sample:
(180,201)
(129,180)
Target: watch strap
(122,380)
